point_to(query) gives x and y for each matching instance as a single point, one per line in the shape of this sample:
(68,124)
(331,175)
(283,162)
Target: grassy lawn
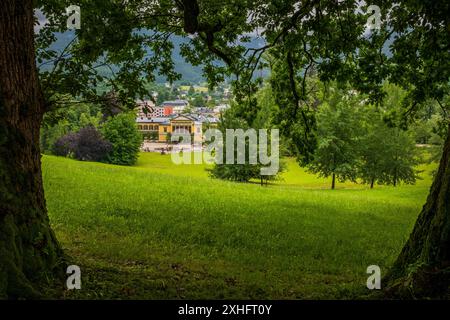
(162,231)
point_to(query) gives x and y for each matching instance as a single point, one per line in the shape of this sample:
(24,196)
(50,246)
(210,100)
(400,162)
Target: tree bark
(29,251)
(371,183)
(395,175)
(333,182)
(423,266)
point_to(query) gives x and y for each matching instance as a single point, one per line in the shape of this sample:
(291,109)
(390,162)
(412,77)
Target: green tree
(339,135)
(234,172)
(70,118)
(50,134)
(198,101)
(267,107)
(422,131)
(401,158)
(388,155)
(243,172)
(332,40)
(125,138)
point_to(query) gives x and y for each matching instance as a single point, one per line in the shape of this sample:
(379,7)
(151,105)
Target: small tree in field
(338,139)
(416,33)
(388,155)
(401,158)
(248,170)
(125,138)
(373,154)
(234,172)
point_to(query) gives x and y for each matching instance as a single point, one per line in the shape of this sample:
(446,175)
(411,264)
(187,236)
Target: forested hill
(189,73)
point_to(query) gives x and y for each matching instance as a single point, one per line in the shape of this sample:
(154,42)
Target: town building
(159,123)
(174,107)
(147,109)
(160,129)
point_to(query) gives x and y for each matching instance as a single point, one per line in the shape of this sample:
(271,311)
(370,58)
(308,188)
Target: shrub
(91,145)
(86,145)
(65,146)
(59,122)
(125,138)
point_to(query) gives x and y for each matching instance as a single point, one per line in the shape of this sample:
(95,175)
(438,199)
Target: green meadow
(164,231)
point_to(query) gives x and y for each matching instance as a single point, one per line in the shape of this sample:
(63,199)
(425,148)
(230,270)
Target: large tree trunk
(423,267)
(29,251)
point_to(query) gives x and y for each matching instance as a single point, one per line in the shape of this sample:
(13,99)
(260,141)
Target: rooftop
(176,103)
(160,120)
(166,120)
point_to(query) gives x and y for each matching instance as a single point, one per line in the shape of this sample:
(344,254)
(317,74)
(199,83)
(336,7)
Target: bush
(125,138)
(59,122)
(235,172)
(91,145)
(66,145)
(50,134)
(86,145)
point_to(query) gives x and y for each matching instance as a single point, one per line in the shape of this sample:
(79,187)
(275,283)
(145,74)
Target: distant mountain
(192,74)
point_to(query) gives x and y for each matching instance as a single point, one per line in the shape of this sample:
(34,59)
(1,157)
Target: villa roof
(159,120)
(187,116)
(166,120)
(175,103)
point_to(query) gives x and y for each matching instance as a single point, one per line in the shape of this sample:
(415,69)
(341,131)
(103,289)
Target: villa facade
(161,129)
(159,123)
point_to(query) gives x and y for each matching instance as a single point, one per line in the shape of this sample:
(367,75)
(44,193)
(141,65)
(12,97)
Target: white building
(147,109)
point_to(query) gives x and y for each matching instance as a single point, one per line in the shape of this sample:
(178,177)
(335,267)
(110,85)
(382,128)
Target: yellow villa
(160,129)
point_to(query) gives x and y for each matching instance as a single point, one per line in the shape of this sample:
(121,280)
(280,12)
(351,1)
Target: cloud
(41,20)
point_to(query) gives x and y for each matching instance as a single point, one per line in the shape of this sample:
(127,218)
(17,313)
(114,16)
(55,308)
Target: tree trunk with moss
(423,267)
(29,251)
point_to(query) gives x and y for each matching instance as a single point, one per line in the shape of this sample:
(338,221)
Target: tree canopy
(133,41)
